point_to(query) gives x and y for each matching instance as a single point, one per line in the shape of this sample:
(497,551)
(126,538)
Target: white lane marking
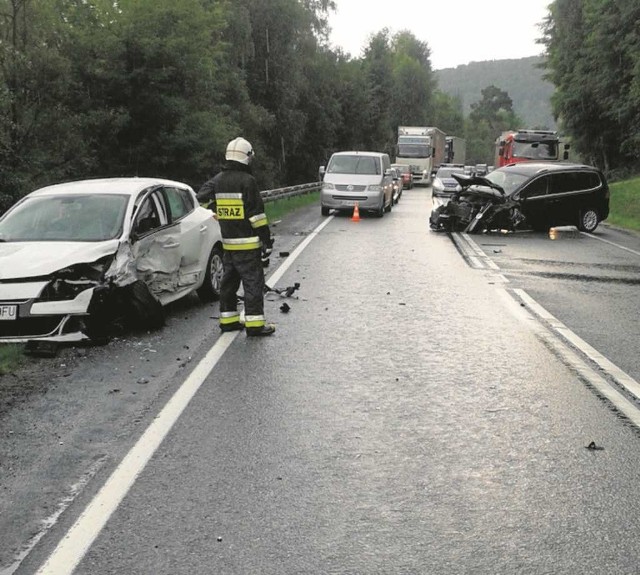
(600,384)
(569,356)
(480,252)
(50,521)
(621,377)
(629,409)
(611,243)
(473,252)
(77,541)
(275,276)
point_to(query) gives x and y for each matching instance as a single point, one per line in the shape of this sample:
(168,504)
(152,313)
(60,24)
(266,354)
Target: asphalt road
(409,416)
(589,280)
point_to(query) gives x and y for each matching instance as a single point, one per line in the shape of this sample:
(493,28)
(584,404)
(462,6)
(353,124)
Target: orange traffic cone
(356,214)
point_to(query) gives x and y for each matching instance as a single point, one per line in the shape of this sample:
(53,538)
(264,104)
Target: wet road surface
(405,418)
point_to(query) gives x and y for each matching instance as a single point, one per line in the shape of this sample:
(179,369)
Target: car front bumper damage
(79,303)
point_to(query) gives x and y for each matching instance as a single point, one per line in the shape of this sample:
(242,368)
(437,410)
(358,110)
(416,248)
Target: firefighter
(246,239)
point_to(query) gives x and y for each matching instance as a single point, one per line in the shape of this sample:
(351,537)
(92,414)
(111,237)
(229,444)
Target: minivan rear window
(354,165)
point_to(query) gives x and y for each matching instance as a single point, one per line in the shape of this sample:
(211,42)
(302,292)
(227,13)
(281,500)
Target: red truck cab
(529,146)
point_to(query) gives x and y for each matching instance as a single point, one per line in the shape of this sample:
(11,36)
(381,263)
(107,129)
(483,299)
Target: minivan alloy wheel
(588,220)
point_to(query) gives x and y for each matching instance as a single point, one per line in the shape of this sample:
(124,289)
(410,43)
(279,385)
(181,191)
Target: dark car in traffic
(526,195)
(405,173)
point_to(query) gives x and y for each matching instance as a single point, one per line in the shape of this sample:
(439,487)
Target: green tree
(593,58)
(448,114)
(412,99)
(378,67)
(489,117)
(41,134)
(174,80)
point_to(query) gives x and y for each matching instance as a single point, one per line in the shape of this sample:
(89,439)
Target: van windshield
(354,165)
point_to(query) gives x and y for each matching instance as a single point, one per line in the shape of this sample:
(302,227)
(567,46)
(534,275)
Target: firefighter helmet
(239,150)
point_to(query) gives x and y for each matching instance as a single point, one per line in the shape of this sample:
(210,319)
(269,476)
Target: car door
(565,197)
(196,237)
(533,197)
(155,246)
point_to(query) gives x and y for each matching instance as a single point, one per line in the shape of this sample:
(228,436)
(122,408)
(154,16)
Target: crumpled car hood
(33,259)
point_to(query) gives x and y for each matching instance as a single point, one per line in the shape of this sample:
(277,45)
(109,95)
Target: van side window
(573,182)
(591,180)
(535,189)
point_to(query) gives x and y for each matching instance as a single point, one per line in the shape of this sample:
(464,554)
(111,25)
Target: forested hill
(521,79)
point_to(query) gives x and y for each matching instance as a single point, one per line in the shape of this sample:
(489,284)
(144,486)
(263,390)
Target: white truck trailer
(422,148)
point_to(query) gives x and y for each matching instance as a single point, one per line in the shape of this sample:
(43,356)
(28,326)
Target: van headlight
(375,188)
(328,186)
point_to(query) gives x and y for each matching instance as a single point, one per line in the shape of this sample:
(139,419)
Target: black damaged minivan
(537,195)
(563,194)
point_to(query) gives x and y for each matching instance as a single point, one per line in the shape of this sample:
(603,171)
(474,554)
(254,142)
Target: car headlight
(438,186)
(375,188)
(67,283)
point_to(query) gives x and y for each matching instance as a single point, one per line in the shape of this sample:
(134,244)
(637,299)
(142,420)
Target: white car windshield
(71,218)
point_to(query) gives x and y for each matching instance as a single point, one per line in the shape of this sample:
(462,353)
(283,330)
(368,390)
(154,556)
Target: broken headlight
(68,282)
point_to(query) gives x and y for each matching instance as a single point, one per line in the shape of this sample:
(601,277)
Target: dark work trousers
(242,266)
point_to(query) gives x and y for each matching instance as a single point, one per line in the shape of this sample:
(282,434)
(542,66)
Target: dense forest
(93,88)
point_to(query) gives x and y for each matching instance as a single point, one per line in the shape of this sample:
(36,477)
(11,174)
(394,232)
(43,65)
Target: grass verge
(624,206)
(275,210)
(11,356)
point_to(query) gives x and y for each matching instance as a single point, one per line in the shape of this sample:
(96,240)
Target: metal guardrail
(290,192)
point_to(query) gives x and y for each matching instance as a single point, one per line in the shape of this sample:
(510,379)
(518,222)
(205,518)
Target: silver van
(364,178)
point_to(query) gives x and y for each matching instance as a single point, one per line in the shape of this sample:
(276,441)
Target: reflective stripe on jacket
(234,197)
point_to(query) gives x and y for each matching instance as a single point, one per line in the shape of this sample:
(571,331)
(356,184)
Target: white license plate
(8,312)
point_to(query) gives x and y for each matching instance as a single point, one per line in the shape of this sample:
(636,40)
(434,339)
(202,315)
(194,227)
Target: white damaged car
(79,256)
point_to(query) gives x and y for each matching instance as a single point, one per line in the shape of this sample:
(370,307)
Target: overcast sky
(457,31)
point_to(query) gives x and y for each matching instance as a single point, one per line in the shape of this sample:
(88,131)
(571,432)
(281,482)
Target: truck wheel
(588,220)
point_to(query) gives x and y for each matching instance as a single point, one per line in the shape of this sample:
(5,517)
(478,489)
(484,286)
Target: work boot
(232,327)
(266,329)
